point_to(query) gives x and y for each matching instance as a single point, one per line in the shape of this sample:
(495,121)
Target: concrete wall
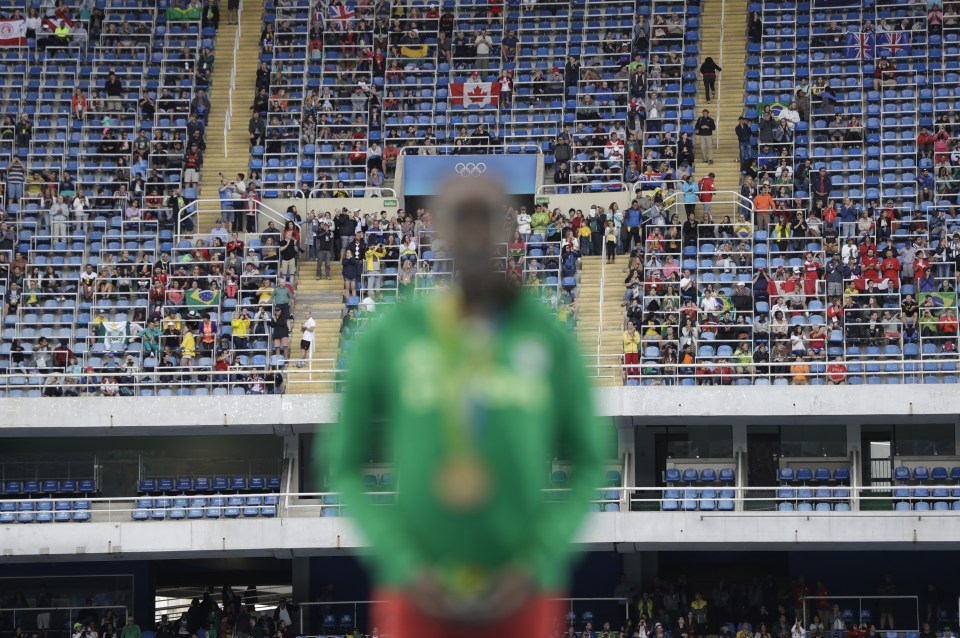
(625,532)
(287,414)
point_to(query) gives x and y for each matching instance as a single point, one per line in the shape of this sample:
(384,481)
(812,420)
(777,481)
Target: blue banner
(424,174)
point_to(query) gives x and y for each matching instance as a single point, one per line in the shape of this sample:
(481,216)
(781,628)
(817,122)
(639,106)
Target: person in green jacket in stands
(131,629)
(477,388)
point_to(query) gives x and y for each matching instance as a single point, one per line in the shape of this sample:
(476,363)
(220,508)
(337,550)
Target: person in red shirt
(870,265)
(925,142)
(837,372)
(818,339)
(867,246)
(890,266)
(707,189)
(920,265)
(835,309)
(948,322)
(811,273)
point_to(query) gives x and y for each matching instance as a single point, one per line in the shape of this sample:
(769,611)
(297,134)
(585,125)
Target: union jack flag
(860,45)
(894,42)
(341,16)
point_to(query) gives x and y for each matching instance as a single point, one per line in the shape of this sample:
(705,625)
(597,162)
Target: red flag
(475,93)
(13,33)
(53,23)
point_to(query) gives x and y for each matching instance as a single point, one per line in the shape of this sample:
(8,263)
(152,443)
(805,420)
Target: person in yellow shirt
(610,236)
(372,271)
(62,33)
(240,325)
(583,234)
(265,293)
(188,347)
(631,350)
(799,371)
(172,321)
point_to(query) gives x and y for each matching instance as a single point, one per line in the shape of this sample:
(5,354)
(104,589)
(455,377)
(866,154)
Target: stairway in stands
(589,317)
(324,299)
(236,159)
(733,14)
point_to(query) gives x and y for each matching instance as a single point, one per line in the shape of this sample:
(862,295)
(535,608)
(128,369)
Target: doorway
(763,456)
(877,446)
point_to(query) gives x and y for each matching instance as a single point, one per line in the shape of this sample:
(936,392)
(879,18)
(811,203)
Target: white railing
(723,22)
(603,276)
(193,210)
(381,191)
(228,124)
(672,500)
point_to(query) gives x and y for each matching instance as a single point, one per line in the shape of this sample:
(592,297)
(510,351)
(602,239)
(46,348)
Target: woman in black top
(709,70)
(351,273)
(281,333)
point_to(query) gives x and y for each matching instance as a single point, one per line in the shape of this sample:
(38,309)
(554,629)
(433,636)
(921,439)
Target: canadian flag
(475,93)
(13,33)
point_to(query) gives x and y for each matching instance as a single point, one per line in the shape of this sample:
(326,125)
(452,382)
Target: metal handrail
(723,22)
(757,500)
(463,149)
(193,212)
(228,121)
(603,275)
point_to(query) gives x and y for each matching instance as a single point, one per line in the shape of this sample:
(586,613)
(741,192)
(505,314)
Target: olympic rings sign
(471,168)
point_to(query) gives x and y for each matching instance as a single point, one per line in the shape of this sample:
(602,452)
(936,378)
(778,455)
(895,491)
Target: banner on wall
(424,174)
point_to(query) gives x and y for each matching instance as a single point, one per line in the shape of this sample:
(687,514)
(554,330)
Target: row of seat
(818,475)
(693,475)
(48,487)
(902,473)
(926,506)
(203,484)
(44,511)
(200,507)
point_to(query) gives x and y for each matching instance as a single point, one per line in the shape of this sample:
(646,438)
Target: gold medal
(463,482)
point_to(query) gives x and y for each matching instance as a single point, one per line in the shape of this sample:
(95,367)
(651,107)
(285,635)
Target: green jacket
(537,407)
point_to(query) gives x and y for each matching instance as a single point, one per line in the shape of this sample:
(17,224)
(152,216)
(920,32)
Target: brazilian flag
(180,15)
(726,305)
(941,300)
(203,299)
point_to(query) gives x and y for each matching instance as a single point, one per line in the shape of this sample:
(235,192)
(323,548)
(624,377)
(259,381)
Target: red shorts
(398,617)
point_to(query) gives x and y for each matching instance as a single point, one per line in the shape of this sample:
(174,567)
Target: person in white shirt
(709,303)
(613,152)
(368,304)
(523,224)
(306,338)
(792,117)
(483,42)
(80,216)
(798,631)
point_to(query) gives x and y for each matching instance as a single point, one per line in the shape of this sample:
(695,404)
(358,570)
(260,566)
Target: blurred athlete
(477,388)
